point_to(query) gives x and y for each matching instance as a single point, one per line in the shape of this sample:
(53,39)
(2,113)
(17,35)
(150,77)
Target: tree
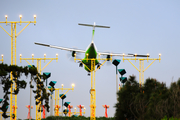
(17,72)
(174,99)
(126,97)
(156,93)
(137,102)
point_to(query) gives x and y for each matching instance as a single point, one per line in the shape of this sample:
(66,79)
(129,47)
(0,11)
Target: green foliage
(152,101)
(172,118)
(10,74)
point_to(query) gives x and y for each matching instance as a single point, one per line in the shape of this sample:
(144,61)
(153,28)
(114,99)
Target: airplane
(91,51)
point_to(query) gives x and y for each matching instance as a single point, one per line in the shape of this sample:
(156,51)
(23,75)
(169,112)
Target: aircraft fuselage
(91,53)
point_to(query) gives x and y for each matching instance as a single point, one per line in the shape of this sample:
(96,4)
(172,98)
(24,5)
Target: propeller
(80,64)
(108,57)
(98,65)
(70,55)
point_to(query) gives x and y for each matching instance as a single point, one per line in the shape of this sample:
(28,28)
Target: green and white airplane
(91,51)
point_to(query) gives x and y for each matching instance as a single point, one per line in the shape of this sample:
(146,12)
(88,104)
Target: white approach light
(44,55)
(159,54)
(6,16)
(32,55)
(34,16)
(62,85)
(20,55)
(73,85)
(20,16)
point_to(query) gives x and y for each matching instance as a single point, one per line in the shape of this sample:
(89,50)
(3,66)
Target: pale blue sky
(137,26)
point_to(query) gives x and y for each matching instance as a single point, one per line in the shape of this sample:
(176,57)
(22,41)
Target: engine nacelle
(108,57)
(73,54)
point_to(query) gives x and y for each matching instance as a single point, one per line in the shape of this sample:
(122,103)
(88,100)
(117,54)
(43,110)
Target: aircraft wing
(62,48)
(121,55)
(99,53)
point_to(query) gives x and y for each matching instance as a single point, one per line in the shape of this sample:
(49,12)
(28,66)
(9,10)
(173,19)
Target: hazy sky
(137,26)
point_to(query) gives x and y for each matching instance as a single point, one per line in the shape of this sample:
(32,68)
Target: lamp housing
(116,62)
(67,104)
(122,71)
(47,74)
(123,79)
(63,96)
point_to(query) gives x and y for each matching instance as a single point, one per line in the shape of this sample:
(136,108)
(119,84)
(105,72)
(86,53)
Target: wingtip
(42,44)
(135,55)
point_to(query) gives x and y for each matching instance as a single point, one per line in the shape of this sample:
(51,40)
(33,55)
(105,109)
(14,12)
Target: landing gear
(98,65)
(80,65)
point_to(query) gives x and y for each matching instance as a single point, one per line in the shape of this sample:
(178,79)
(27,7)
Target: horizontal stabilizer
(89,25)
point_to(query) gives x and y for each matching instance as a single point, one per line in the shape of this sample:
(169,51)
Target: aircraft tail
(89,25)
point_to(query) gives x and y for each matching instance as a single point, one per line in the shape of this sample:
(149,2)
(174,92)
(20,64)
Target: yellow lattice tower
(2,58)
(56,101)
(92,90)
(57,98)
(141,65)
(13,35)
(38,107)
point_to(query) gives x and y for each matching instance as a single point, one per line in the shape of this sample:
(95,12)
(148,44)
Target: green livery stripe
(93,32)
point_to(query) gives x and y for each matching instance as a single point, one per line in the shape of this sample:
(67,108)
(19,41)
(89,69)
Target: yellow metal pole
(78,112)
(5,30)
(13,98)
(56,102)
(141,72)
(38,107)
(57,98)
(2,58)
(93,91)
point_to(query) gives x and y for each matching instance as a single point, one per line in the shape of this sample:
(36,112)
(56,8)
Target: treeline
(152,101)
